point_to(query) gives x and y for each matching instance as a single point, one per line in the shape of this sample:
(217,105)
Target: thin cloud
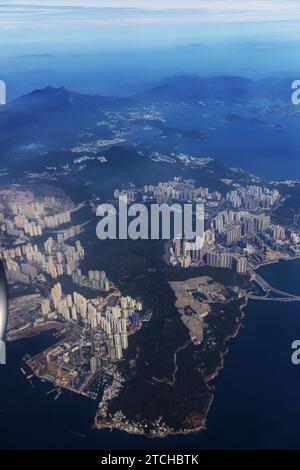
(32,14)
(250,5)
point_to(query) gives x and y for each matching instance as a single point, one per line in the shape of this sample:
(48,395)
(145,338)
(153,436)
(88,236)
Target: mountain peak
(49,98)
(62,100)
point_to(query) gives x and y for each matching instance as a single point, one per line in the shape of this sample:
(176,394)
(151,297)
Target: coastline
(106,423)
(55,326)
(277,260)
(202,420)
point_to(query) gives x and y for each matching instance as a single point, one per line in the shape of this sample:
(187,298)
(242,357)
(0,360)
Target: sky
(61,14)
(93,45)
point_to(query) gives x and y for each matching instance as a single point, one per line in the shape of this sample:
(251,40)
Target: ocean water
(265,151)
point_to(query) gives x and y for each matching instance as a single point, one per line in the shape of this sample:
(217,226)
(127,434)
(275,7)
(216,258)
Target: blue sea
(270,150)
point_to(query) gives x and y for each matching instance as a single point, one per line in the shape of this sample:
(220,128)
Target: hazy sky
(134,41)
(34,26)
(39,14)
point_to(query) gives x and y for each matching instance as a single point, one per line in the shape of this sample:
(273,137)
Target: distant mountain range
(53,117)
(61,100)
(192,88)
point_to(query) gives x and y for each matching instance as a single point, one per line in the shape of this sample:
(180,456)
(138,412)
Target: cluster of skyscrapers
(24,263)
(253,197)
(33,218)
(111,317)
(94,280)
(239,215)
(177,189)
(231,226)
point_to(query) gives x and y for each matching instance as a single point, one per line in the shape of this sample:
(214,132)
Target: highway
(270,291)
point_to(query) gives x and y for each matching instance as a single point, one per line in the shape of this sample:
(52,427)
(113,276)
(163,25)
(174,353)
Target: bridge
(271,293)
